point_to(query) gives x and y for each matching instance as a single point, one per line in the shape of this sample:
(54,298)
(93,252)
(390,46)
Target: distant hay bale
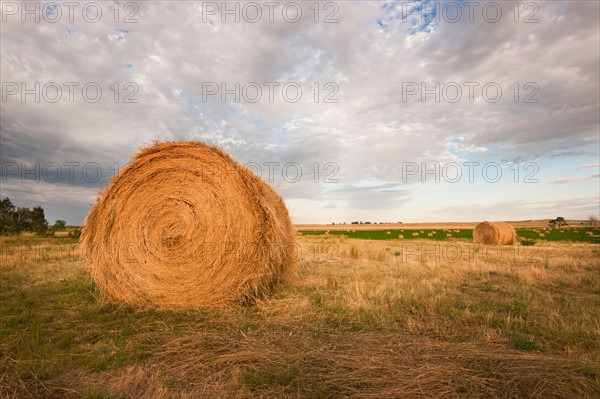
(448,235)
(388,232)
(415,234)
(183,225)
(589,233)
(542,235)
(429,234)
(457,231)
(421,231)
(401,236)
(500,233)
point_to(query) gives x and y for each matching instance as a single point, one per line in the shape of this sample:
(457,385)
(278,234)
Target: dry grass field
(363,319)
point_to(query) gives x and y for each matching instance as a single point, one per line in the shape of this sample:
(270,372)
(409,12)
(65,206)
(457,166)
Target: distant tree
(22,219)
(558,222)
(59,225)
(593,221)
(15,220)
(7,210)
(39,224)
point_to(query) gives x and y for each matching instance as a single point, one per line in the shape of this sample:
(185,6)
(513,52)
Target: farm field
(581,234)
(527,224)
(363,318)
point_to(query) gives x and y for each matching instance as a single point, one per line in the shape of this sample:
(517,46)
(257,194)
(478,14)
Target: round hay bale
(500,233)
(448,235)
(388,232)
(184,225)
(400,235)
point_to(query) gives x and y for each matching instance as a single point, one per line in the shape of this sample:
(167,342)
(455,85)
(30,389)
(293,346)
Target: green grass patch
(270,376)
(51,325)
(439,235)
(522,343)
(581,234)
(529,236)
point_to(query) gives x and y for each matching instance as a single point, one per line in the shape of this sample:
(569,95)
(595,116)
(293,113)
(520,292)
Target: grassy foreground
(363,318)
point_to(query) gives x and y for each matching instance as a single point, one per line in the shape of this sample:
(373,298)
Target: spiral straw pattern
(184,225)
(500,233)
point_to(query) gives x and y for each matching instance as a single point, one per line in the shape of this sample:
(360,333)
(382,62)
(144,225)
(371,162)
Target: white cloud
(570,180)
(590,166)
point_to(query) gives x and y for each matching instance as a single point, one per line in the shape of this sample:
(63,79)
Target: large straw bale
(184,225)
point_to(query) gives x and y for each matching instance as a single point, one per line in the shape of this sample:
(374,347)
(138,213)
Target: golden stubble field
(364,319)
(538,223)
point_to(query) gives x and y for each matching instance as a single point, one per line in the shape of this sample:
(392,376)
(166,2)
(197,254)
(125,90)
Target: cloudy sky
(390,110)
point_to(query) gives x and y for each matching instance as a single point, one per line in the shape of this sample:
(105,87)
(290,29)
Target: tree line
(14,220)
